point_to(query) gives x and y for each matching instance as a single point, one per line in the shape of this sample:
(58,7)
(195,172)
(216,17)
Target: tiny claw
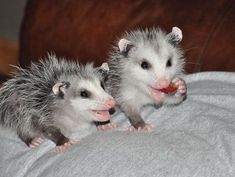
(36,142)
(131,129)
(32,146)
(72,141)
(147,127)
(106,126)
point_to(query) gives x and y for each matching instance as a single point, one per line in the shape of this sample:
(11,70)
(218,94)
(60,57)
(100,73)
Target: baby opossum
(54,98)
(144,63)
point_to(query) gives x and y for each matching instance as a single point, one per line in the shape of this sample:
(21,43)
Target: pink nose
(162,83)
(110,103)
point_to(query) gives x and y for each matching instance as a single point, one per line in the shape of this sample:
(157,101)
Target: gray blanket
(196,138)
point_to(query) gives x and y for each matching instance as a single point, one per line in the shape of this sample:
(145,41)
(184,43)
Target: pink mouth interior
(102,115)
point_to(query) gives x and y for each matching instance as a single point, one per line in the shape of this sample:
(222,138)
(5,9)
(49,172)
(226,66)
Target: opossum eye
(84,94)
(145,65)
(102,85)
(169,62)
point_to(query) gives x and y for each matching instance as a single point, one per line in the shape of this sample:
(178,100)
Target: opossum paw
(181,85)
(36,142)
(108,126)
(146,128)
(62,148)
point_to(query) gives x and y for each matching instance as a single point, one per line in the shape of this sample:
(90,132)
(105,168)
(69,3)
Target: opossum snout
(110,103)
(162,83)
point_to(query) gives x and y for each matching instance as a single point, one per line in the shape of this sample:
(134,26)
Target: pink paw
(106,126)
(36,142)
(181,85)
(147,127)
(62,148)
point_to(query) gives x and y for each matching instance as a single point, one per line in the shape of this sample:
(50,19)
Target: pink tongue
(157,95)
(103,115)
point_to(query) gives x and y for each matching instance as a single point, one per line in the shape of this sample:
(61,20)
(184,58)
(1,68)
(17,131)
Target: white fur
(134,97)
(142,78)
(130,84)
(76,114)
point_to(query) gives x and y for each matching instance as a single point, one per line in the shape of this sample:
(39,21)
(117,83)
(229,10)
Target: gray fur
(125,76)
(28,104)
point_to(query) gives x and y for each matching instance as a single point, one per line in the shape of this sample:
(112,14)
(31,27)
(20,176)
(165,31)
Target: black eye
(84,94)
(102,85)
(145,65)
(169,63)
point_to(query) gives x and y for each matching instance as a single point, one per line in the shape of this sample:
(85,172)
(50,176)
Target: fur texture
(144,59)
(46,100)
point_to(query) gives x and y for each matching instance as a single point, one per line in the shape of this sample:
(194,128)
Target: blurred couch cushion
(87,29)
(8,57)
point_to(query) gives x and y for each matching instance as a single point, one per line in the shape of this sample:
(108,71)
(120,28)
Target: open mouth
(156,94)
(102,115)
(169,90)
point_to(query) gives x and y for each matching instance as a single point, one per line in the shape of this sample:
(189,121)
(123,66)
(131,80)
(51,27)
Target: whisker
(188,49)
(193,63)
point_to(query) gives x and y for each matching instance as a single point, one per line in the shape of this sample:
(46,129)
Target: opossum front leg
(139,126)
(180,94)
(137,122)
(54,134)
(27,139)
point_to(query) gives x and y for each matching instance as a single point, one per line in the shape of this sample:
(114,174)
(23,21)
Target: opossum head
(85,93)
(150,59)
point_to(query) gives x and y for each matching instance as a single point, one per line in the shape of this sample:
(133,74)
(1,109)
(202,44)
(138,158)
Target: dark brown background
(85,30)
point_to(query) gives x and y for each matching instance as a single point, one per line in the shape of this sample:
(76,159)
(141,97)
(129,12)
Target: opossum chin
(101,115)
(157,95)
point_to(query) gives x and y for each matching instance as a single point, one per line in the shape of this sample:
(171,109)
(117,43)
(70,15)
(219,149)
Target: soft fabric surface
(196,138)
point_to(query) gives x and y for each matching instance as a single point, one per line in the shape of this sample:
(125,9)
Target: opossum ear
(60,88)
(125,45)
(105,67)
(175,36)
(103,70)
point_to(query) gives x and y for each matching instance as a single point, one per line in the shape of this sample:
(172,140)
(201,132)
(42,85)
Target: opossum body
(54,98)
(141,66)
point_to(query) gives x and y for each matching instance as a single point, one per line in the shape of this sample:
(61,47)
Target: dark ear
(60,88)
(175,36)
(103,70)
(124,46)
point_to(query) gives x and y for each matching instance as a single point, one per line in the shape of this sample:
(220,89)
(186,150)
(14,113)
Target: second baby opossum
(144,63)
(54,98)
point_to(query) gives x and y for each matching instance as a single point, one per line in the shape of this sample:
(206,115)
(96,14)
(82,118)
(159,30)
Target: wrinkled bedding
(195,138)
